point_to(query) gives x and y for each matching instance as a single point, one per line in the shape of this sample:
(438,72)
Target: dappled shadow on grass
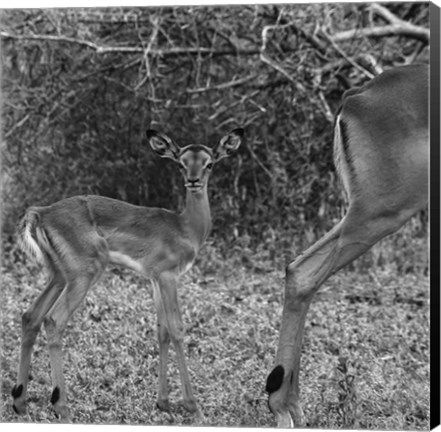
(377,321)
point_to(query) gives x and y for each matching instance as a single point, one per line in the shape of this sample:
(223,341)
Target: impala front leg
(167,286)
(164,344)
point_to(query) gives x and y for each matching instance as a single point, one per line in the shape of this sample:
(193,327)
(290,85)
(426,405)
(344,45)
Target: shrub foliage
(82,85)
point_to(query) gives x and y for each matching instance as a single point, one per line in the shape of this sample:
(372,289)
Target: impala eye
(210,165)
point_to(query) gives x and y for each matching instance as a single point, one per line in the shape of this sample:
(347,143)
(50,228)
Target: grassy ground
(365,357)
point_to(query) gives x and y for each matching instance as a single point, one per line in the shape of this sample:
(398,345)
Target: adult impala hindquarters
(76,238)
(381,154)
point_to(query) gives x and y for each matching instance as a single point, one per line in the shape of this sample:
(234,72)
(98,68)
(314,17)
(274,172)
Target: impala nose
(193,183)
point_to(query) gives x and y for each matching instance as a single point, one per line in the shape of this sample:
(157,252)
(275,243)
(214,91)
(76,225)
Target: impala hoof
(284,420)
(63,415)
(297,415)
(19,405)
(19,408)
(163,405)
(190,406)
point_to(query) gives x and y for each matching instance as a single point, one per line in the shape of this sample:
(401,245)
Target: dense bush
(82,85)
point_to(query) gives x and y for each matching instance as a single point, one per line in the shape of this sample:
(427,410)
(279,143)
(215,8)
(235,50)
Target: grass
(365,361)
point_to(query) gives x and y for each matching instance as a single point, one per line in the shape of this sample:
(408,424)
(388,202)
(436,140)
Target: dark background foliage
(80,86)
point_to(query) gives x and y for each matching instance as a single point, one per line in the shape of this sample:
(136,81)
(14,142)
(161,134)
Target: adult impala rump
(381,154)
(76,238)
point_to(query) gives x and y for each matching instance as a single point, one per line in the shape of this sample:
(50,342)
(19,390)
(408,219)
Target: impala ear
(228,144)
(162,144)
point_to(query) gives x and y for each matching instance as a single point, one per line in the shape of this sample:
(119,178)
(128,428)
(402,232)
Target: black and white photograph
(217,215)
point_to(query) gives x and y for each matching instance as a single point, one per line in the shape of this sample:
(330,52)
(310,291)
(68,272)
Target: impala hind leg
(282,383)
(356,233)
(79,282)
(31,323)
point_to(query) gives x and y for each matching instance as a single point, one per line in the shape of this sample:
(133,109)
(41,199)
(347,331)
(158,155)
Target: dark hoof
(189,405)
(19,406)
(19,409)
(163,405)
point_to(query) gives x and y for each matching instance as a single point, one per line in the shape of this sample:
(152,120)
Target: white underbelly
(125,260)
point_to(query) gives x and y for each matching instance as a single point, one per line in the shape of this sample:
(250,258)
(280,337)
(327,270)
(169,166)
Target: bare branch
(266,59)
(396,27)
(17,125)
(345,56)
(269,61)
(134,49)
(327,112)
(385,13)
(410,30)
(122,66)
(147,51)
(223,86)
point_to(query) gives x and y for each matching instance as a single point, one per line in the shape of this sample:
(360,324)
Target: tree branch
(346,57)
(410,30)
(396,27)
(17,125)
(269,61)
(223,86)
(134,49)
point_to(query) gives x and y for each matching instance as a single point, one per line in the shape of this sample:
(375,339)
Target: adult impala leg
(380,153)
(356,233)
(31,323)
(282,383)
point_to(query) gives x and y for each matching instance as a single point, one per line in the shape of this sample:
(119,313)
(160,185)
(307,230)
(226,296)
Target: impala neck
(197,216)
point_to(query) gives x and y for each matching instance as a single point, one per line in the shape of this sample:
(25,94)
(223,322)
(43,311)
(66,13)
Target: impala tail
(32,238)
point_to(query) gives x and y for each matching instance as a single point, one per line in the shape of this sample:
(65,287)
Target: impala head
(195,160)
